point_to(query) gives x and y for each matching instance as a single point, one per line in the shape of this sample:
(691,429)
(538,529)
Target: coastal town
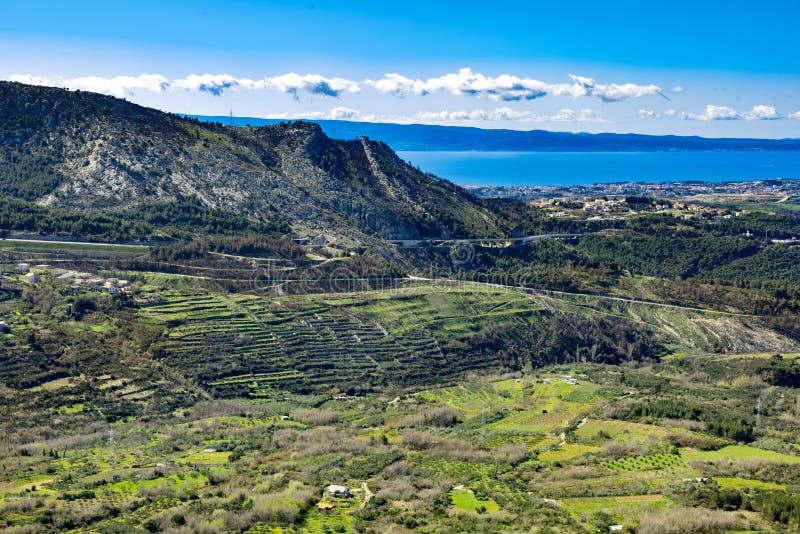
(766,189)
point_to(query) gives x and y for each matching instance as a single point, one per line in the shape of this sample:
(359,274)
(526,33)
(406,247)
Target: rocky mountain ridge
(93,152)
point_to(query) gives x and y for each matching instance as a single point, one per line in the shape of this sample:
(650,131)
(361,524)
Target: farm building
(23,267)
(32,278)
(321,240)
(336,490)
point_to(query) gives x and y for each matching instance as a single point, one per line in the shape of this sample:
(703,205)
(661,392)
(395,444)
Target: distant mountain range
(457,138)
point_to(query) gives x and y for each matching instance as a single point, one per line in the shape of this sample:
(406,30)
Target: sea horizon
(537,168)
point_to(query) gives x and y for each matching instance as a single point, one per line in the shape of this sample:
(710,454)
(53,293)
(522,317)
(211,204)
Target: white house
(336,490)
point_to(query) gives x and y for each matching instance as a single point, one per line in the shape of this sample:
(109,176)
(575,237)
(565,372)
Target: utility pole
(230,117)
(111,459)
(758,412)
(7,425)
(483,420)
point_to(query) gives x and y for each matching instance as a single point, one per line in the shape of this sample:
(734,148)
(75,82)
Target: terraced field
(248,345)
(643,463)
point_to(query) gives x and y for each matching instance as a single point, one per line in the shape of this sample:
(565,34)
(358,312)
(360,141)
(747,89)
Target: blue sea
(573,168)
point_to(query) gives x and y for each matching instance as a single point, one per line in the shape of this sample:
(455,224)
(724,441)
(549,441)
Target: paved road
(486,242)
(82,243)
(587,295)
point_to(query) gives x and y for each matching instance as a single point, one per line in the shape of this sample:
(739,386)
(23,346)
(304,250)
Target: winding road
(552,292)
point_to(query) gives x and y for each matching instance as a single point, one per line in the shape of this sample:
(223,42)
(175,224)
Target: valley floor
(154,402)
(558,450)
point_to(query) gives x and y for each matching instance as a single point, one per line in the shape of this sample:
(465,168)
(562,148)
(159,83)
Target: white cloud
(397,85)
(337,113)
(438,117)
(119,86)
(614,92)
(313,83)
(508,114)
(713,113)
(507,87)
(30,79)
(677,89)
(343,113)
(569,115)
(465,82)
(720,113)
(462,115)
(649,114)
(795,115)
(292,82)
(215,84)
(761,113)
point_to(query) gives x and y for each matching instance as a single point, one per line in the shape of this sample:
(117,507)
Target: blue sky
(700,67)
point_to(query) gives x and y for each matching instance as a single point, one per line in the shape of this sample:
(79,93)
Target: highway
(79,243)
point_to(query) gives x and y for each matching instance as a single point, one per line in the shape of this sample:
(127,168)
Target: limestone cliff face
(89,151)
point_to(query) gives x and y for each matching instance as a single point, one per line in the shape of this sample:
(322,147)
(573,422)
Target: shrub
(682,520)
(419,440)
(315,417)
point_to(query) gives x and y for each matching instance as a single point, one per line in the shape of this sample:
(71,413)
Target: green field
(623,509)
(745,483)
(465,500)
(739,452)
